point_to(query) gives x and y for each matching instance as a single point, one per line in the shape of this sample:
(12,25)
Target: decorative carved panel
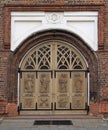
(62,90)
(63,102)
(79,90)
(44,87)
(78,102)
(63,83)
(27,90)
(44,102)
(29,83)
(44,82)
(78,82)
(28,103)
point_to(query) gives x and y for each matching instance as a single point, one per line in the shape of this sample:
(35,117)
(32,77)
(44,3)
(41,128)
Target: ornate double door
(53,80)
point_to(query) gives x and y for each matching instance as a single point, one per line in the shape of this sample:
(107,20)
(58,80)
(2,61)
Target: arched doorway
(53,79)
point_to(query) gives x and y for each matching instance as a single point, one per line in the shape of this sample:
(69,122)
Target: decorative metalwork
(67,58)
(54,54)
(44,57)
(29,64)
(38,58)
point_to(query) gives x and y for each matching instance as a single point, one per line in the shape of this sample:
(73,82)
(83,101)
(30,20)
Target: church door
(53,80)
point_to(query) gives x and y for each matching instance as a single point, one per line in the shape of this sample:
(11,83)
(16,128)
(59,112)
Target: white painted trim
(60,27)
(18,90)
(88,84)
(82,13)
(66,13)
(40,21)
(27,14)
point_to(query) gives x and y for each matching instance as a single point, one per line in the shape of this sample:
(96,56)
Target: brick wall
(106,25)
(103,68)
(3,72)
(8,86)
(12,110)
(1,27)
(52,2)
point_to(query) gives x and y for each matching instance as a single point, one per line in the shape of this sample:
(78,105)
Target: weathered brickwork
(103,68)
(3,72)
(106,25)
(49,2)
(9,61)
(1,28)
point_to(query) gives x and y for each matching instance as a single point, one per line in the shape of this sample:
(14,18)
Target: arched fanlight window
(53,54)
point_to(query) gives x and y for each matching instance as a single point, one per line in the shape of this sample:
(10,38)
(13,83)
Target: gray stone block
(1,120)
(92,128)
(54,128)
(14,128)
(22,128)
(73,128)
(3,128)
(63,128)
(44,127)
(34,128)
(102,128)
(82,128)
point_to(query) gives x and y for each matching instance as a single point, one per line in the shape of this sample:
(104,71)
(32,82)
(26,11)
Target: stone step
(56,117)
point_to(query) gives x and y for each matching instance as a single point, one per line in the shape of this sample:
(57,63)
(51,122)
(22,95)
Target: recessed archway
(53,77)
(70,40)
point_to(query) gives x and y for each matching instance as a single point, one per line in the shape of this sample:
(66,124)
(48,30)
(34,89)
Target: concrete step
(55,117)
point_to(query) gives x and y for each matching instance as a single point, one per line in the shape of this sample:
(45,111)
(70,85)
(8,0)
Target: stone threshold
(55,117)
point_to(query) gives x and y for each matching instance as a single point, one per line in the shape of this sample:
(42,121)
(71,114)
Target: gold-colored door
(27,90)
(53,80)
(44,91)
(62,91)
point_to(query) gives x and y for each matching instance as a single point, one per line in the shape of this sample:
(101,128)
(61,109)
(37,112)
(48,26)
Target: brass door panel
(62,90)
(28,90)
(44,90)
(79,90)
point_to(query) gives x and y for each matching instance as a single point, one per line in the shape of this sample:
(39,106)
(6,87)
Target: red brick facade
(98,60)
